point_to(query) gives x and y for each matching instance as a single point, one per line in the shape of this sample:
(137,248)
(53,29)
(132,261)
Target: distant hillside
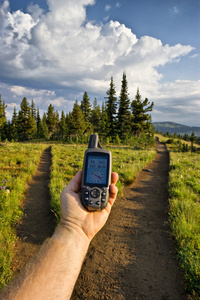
(172,127)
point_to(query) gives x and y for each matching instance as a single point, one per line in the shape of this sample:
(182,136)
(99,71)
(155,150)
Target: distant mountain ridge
(172,127)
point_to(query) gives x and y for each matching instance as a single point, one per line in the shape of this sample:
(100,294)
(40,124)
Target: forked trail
(133,256)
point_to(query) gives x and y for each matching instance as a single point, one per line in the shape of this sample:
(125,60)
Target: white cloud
(118,5)
(107,7)
(61,49)
(178,101)
(14,94)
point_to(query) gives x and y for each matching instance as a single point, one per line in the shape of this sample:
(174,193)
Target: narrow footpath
(38,222)
(133,257)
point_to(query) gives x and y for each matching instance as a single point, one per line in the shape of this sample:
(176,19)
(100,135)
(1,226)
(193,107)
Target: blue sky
(53,51)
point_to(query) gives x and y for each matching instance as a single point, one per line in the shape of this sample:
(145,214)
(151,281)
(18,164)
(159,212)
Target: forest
(117,120)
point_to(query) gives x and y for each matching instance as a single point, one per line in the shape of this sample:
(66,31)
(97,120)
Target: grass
(184,192)
(68,159)
(17,164)
(19,161)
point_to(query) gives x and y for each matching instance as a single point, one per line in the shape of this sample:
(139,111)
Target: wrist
(70,232)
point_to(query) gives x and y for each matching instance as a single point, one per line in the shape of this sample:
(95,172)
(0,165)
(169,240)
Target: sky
(52,51)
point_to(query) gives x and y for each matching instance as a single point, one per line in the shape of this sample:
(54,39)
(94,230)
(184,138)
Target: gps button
(95,193)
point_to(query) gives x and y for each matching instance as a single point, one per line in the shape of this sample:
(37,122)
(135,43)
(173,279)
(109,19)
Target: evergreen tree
(68,123)
(95,116)
(141,118)
(45,127)
(2,115)
(104,122)
(78,124)
(86,109)
(33,110)
(25,122)
(40,131)
(124,114)
(6,131)
(14,129)
(111,108)
(63,126)
(52,121)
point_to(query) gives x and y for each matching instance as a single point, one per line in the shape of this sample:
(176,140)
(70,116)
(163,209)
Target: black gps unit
(96,176)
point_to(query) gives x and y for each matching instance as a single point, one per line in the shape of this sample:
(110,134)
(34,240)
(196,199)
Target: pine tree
(63,126)
(14,129)
(86,109)
(141,119)
(78,123)
(52,121)
(124,114)
(111,108)
(68,123)
(25,122)
(95,116)
(33,109)
(104,122)
(40,131)
(45,127)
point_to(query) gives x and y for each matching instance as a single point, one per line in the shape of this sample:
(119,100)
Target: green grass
(18,162)
(184,191)
(68,159)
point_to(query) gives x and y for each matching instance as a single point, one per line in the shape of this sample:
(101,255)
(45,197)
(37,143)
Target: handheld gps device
(96,176)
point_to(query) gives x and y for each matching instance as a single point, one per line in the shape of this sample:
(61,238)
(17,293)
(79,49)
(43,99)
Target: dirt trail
(133,256)
(38,221)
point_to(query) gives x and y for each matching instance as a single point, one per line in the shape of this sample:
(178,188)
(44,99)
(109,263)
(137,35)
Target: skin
(53,272)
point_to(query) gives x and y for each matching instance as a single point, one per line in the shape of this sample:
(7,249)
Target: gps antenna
(94,141)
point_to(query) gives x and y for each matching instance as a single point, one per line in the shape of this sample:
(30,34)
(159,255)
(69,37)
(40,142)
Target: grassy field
(68,159)
(18,162)
(184,192)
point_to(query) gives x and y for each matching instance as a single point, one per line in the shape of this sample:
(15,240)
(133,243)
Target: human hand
(75,216)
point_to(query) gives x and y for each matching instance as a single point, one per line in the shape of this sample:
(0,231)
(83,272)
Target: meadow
(184,215)
(19,162)
(68,159)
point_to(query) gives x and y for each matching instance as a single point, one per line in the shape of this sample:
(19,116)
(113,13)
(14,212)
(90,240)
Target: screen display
(96,170)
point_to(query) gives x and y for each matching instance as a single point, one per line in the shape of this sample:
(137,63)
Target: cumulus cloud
(62,49)
(13,95)
(174,103)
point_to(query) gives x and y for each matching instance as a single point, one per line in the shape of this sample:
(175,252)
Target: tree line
(116,120)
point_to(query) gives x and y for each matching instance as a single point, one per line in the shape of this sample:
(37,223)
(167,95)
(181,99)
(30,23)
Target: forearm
(53,273)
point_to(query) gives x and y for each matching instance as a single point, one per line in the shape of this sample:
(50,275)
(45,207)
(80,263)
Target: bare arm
(54,271)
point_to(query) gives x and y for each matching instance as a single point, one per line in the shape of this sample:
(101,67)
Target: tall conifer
(111,108)
(86,109)
(124,114)
(141,119)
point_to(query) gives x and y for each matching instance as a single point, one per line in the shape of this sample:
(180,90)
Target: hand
(74,215)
